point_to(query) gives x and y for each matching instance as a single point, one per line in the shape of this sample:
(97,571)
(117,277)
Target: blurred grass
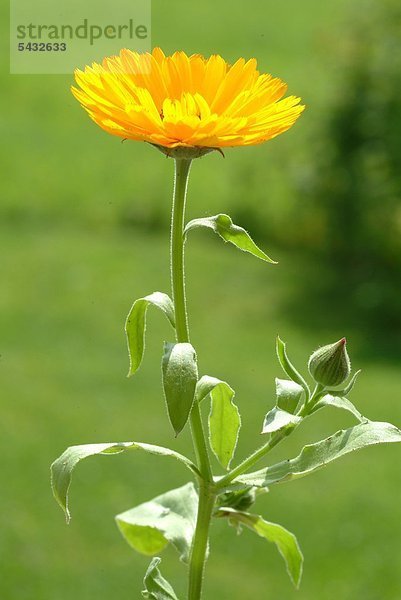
(83,233)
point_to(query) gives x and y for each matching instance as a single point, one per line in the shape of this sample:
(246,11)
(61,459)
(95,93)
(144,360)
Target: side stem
(206,494)
(252,459)
(274,440)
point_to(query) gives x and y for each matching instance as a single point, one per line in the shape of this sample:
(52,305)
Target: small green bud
(238,499)
(330,365)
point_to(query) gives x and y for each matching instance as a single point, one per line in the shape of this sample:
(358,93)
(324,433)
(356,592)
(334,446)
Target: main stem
(206,494)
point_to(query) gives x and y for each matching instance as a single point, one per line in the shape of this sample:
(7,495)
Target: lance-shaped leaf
(169,518)
(288,367)
(277,419)
(180,374)
(224,417)
(224,423)
(156,587)
(135,325)
(285,541)
(225,228)
(62,468)
(316,456)
(289,395)
(338,402)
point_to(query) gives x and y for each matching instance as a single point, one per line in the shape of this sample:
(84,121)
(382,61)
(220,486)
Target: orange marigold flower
(185,101)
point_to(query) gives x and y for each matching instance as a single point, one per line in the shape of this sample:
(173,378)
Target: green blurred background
(84,231)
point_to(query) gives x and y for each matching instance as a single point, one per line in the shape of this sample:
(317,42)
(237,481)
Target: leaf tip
(297,583)
(178,427)
(298,578)
(133,367)
(63,504)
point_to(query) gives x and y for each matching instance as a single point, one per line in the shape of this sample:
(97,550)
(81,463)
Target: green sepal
(62,467)
(156,587)
(169,518)
(224,417)
(135,325)
(337,398)
(344,391)
(316,456)
(289,368)
(289,395)
(277,419)
(224,227)
(285,541)
(180,374)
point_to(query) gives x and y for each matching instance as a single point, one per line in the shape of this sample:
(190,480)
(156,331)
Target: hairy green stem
(252,459)
(310,403)
(206,495)
(182,168)
(207,500)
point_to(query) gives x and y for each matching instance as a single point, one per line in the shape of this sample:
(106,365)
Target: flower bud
(330,365)
(238,499)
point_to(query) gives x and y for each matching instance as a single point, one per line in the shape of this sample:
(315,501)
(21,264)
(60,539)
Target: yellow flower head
(182,101)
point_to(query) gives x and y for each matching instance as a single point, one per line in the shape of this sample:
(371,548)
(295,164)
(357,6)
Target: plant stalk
(252,459)
(206,494)
(201,539)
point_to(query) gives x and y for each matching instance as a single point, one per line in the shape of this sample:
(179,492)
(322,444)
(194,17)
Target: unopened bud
(330,365)
(238,499)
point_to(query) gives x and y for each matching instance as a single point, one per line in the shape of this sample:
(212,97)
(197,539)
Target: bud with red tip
(330,365)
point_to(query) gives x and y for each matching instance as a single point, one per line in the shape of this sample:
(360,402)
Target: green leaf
(205,385)
(316,456)
(135,325)
(180,374)
(224,417)
(289,395)
(338,402)
(288,368)
(169,518)
(285,541)
(156,587)
(225,228)
(277,419)
(62,468)
(224,423)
